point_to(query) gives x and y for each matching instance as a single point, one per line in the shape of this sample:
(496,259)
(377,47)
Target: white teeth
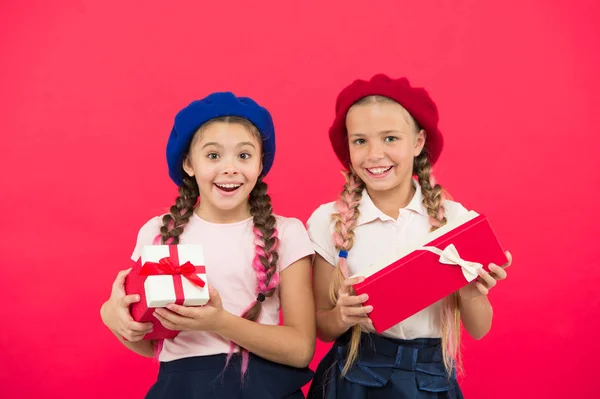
(232,185)
(379,171)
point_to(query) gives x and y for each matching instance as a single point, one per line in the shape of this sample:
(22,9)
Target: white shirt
(377,236)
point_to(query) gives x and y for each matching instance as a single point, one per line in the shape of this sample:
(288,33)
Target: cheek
(252,169)
(204,172)
(400,152)
(357,154)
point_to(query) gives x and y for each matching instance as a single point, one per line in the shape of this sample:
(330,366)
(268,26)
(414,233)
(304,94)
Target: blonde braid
(343,238)
(450,315)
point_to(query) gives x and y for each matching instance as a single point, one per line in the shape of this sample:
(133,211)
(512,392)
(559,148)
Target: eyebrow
(212,143)
(245,143)
(220,145)
(383,132)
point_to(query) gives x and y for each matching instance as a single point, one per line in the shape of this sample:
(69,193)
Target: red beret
(415,100)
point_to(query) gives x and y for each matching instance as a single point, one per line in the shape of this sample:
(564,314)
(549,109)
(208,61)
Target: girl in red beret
(386,135)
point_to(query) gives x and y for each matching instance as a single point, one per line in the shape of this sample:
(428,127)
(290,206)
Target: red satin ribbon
(171,266)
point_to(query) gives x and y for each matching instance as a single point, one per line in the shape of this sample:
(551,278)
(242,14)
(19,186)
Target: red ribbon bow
(166,266)
(170,266)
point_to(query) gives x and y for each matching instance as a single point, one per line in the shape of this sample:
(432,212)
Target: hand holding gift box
(163,275)
(416,277)
(486,280)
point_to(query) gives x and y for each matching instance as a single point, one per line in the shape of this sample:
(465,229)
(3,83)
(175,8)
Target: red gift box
(445,262)
(167,267)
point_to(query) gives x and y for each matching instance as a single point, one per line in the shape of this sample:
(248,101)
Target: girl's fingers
(487,278)
(353,320)
(138,327)
(509,257)
(357,311)
(166,323)
(498,272)
(137,336)
(482,289)
(120,280)
(352,300)
(367,322)
(349,282)
(127,300)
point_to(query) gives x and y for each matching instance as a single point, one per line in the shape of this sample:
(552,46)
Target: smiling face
(383,140)
(225,159)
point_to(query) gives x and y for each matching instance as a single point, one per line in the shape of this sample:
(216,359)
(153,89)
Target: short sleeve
(294,242)
(320,232)
(146,236)
(454,210)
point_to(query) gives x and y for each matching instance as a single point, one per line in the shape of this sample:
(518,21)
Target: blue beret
(189,119)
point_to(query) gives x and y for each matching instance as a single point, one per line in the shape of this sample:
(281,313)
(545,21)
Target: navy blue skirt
(206,377)
(386,368)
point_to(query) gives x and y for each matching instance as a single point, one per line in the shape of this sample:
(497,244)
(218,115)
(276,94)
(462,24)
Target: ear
(420,142)
(187,166)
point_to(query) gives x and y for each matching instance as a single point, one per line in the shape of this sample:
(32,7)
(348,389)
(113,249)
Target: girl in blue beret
(218,152)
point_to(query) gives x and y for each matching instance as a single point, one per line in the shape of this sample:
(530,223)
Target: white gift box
(160,289)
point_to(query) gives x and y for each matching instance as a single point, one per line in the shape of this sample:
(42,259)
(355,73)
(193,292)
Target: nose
(375,152)
(230,167)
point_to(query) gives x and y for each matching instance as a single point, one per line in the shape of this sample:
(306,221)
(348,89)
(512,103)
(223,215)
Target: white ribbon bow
(450,256)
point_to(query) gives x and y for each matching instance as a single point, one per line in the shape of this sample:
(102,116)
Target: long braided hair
(347,207)
(266,239)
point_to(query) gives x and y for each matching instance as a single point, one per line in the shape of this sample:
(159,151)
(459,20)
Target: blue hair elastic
(343,253)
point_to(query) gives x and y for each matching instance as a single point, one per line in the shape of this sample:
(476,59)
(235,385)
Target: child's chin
(227,203)
(383,185)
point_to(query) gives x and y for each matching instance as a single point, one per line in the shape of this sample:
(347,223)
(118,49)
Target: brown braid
(266,245)
(180,213)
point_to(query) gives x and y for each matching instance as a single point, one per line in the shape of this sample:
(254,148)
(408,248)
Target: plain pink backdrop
(88,93)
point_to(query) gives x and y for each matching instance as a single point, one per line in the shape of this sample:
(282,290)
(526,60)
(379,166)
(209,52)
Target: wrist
(106,317)
(222,319)
(340,325)
(103,312)
(466,294)
(472,300)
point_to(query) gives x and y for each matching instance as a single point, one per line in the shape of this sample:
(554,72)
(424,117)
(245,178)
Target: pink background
(89,90)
